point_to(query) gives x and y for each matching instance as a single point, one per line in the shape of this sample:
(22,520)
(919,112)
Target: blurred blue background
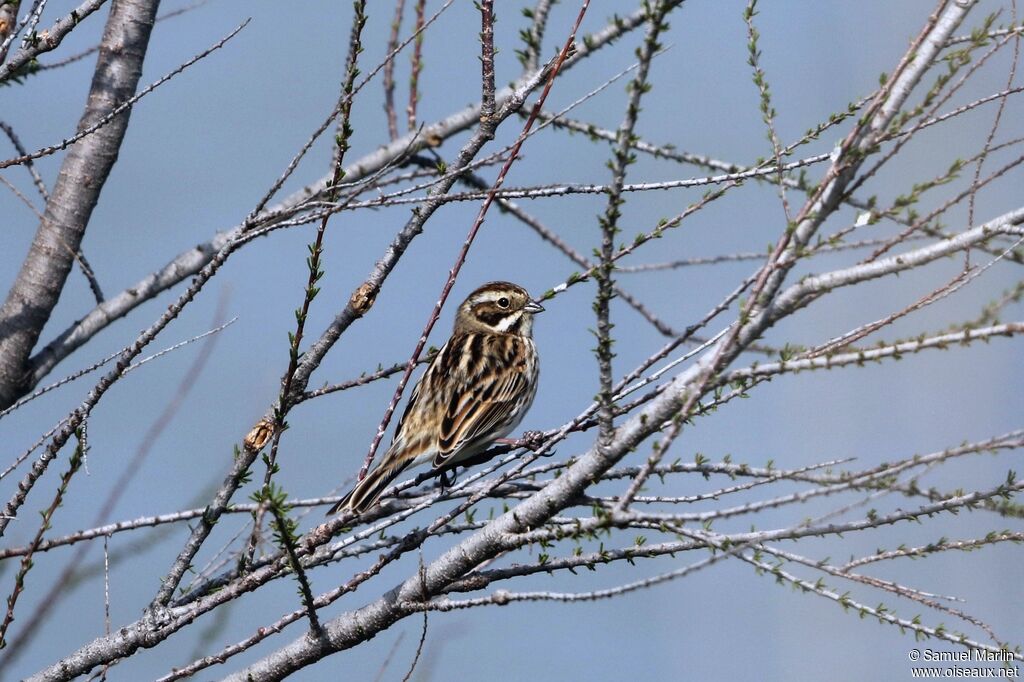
(202,149)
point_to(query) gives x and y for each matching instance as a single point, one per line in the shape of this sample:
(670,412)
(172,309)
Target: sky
(202,149)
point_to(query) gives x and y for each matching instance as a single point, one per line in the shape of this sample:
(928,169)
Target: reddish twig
(417,66)
(389,71)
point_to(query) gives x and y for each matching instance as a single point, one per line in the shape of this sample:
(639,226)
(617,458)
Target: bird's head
(497,308)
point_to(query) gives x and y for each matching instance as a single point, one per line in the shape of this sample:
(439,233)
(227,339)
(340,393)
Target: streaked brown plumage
(475,390)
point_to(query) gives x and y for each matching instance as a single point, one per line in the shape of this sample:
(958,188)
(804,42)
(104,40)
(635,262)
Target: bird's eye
(503,302)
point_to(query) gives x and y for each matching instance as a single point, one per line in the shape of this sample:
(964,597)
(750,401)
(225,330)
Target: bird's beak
(533,307)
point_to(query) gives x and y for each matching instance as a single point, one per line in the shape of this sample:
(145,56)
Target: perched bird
(475,390)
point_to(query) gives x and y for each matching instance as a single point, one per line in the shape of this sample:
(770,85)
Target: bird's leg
(531,440)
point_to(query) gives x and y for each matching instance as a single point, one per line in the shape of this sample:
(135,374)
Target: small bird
(476,390)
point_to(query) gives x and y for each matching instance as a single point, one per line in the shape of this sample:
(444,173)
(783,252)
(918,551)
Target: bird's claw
(447,478)
(533,440)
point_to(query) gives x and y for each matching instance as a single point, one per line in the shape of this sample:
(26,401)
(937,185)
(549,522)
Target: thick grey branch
(38,286)
(799,295)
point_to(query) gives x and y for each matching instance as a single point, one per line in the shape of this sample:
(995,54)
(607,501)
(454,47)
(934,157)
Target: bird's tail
(368,490)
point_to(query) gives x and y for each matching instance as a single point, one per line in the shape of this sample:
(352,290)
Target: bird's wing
(415,434)
(399,439)
(478,408)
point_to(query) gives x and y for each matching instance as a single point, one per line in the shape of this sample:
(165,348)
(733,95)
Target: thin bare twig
(127,474)
(423,630)
(122,107)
